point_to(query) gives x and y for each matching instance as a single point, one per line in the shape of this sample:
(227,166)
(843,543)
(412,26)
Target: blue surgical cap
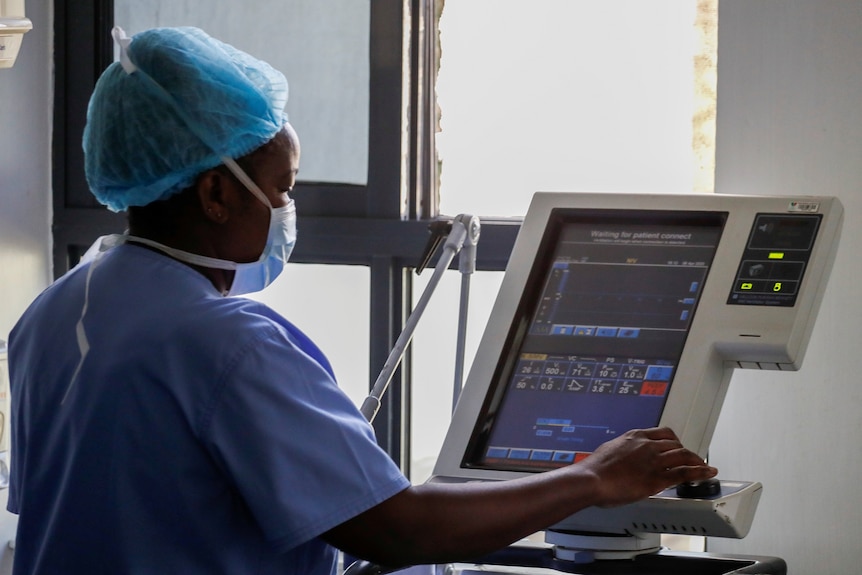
(177,104)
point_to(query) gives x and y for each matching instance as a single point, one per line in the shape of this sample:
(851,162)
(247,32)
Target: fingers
(644,462)
(657,433)
(678,456)
(682,465)
(670,448)
(685,474)
(677,464)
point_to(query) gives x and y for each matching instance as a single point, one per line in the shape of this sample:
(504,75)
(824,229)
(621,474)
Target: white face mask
(248,277)
(281,237)
(253,277)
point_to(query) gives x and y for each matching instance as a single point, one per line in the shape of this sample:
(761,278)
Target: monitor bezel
(557,220)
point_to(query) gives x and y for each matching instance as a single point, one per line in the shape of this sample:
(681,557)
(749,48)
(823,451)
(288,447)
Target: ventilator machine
(630,310)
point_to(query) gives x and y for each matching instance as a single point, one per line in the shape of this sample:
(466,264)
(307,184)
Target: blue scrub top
(203,434)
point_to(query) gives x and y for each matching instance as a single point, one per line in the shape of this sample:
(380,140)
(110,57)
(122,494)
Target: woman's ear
(212,190)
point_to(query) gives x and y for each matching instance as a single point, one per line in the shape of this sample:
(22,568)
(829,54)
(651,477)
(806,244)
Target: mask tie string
(80,331)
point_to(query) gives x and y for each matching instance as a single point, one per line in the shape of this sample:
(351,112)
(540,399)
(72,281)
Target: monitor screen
(596,338)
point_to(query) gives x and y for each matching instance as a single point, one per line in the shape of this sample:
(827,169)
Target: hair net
(177,103)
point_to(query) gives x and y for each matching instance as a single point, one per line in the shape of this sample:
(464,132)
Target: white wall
(790,121)
(25,190)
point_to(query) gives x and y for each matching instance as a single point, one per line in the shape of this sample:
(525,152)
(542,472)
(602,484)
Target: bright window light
(567,95)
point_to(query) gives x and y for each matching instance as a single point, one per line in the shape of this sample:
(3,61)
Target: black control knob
(699,489)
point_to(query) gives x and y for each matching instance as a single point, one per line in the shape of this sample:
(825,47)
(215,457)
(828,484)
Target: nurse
(160,426)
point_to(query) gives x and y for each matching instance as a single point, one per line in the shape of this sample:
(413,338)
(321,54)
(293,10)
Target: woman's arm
(437,523)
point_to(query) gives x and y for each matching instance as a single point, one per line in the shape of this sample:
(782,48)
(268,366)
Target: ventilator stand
(462,235)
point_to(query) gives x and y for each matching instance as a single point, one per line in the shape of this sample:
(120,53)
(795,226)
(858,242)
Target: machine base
(529,561)
(533,561)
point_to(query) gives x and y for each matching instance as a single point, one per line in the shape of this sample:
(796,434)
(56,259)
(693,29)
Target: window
(322,49)
(562,95)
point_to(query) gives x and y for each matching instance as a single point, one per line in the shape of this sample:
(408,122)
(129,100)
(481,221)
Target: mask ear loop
(240,175)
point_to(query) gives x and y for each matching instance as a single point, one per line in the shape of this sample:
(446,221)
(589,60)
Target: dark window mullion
(387,296)
(82,50)
(385,114)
